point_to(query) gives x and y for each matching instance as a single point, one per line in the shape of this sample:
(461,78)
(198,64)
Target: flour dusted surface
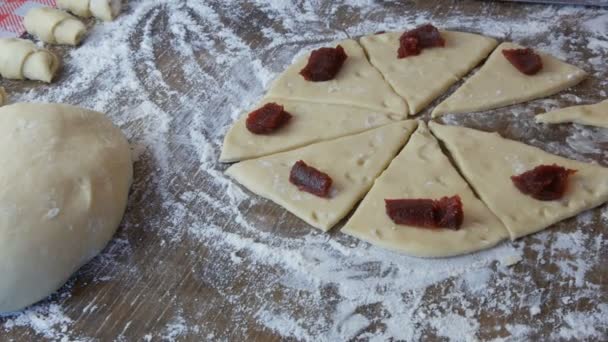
(198,256)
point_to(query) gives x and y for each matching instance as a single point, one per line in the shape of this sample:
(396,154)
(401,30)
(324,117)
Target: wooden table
(195,260)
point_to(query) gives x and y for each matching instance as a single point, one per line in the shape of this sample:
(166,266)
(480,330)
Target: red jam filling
(544,182)
(309,179)
(445,212)
(525,60)
(324,64)
(412,42)
(267,119)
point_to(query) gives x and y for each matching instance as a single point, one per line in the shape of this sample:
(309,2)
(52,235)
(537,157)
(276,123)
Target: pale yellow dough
(421,79)
(353,162)
(488,161)
(498,83)
(357,84)
(593,115)
(105,10)
(54,26)
(421,170)
(310,123)
(21,59)
(78,7)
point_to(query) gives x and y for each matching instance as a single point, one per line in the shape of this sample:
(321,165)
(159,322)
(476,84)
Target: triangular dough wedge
(488,161)
(352,162)
(311,123)
(594,115)
(421,170)
(498,84)
(421,79)
(357,84)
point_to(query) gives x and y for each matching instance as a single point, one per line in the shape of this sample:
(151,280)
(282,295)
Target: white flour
(216,61)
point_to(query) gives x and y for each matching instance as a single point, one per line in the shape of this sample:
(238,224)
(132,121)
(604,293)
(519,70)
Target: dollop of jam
(309,179)
(525,60)
(544,182)
(267,119)
(445,212)
(412,42)
(324,64)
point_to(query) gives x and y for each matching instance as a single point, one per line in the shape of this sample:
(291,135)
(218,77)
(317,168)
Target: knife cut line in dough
(310,123)
(488,161)
(593,115)
(357,84)
(353,163)
(421,170)
(421,79)
(499,84)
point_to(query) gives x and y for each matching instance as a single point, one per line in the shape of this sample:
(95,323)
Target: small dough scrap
(421,170)
(79,8)
(353,163)
(105,10)
(21,59)
(593,115)
(421,79)
(54,26)
(357,84)
(3,97)
(488,161)
(498,84)
(311,123)
(64,182)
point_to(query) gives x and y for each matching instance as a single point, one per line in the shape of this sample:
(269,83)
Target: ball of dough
(64,181)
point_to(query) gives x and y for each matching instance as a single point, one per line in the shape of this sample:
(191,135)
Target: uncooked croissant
(21,59)
(103,9)
(54,26)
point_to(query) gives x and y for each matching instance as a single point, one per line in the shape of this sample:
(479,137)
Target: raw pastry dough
(3,97)
(103,9)
(357,84)
(64,182)
(54,26)
(421,79)
(20,59)
(421,170)
(353,162)
(488,161)
(498,84)
(594,115)
(311,123)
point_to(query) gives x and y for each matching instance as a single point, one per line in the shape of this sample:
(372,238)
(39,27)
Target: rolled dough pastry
(594,115)
(353,162)
(105,10)
(80,8)
(421,79)
(64,181)
(498,83)
(3,96)
(54,26)
(421,170)
(357,84)
(488,161)
(311,123)
(20,59)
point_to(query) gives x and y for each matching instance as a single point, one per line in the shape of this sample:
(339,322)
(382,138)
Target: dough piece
(77,7)
(3,96)
(311,123)
(20,59)
(65,177)
(488,161)
(421,170)
(352,162)
(105,10)
(54,26)
(421,79)
(357,84)
(594,115)
(498,83)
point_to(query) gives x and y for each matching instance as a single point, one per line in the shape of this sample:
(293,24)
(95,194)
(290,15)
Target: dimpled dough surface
(353,163)
(421,170)
(594,115)
(310,123)
(488,161)
(358,84)
(64,182)
(421,79)
(498,83)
